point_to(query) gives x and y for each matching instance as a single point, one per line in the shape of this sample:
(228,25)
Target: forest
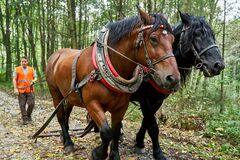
(208,106)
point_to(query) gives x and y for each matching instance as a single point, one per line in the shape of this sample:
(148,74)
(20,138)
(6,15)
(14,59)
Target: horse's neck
(184,63)
(122,65)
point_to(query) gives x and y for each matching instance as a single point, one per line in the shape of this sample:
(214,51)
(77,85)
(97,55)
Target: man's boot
(29,118)
(25,120)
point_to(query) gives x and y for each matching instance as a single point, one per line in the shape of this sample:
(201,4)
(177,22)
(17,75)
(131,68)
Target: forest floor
(15,141)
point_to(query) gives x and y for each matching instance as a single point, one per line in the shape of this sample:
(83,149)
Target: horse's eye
(154,41)
(198,32)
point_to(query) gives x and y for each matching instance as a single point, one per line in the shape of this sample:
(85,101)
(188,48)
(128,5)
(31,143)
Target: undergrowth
(222,126)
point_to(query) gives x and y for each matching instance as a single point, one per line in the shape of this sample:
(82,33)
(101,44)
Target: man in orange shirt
(23,81)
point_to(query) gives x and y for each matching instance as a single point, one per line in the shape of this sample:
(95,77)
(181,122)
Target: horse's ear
(186,18)
(145,17)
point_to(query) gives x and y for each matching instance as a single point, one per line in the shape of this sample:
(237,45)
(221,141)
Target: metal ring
(199,65)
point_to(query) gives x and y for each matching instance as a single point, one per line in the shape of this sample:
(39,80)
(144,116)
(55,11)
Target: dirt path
(16,144)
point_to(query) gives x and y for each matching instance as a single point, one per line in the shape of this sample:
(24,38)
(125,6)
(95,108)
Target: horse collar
(110,78)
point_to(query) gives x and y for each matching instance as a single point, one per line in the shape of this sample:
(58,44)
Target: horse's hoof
(139,150)
(69,149)
(114,156)
(97,154)
(94,156)
(61,137)
(121,138)
(158,155)
(160,158)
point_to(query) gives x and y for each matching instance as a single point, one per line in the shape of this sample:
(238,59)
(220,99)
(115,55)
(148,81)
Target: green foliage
(133,113)
(5,85)
(2,77)
(224,125)
(189,105)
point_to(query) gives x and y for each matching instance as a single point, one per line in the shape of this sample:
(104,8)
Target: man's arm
(15,85)
(34,77)
(34,80)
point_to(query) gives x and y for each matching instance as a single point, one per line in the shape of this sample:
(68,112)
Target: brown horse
(109,71)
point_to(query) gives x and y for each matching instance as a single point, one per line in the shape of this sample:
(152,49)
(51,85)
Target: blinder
(140,39)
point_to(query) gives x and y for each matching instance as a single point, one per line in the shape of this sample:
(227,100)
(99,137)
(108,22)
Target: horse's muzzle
(170,82)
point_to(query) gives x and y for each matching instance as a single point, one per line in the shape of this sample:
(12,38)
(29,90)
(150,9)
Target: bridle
(197,55)
(140,41)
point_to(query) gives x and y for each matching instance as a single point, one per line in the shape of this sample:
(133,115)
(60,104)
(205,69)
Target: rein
(114,50)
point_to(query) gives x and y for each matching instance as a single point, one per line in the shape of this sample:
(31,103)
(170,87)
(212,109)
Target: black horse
(194,46)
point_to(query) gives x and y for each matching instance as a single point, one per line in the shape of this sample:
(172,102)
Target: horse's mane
(184,61)
(123,27)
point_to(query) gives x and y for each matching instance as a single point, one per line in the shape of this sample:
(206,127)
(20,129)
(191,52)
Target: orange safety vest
(24,81)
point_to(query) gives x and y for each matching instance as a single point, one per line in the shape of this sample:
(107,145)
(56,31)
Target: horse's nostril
(219,66)
(171,79)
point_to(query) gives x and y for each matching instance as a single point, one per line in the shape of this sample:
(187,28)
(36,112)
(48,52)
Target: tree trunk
(31,40)
(17,45)
(79,44)
(6,39)
(23,37)
(212,5)
(41,20)
(222,108)
(186,6)
(72,22)
(85,27)
(53,28)
(149,6)
(119,10)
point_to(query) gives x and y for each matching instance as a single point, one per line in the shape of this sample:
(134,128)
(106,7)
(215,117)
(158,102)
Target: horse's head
(154,43)
(198,42)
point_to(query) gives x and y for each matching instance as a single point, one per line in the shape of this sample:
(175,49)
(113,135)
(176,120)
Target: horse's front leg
(149,124)
(97,114)
(139,146)
(153,129)
(153,132)
(116,118)
(114,153)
